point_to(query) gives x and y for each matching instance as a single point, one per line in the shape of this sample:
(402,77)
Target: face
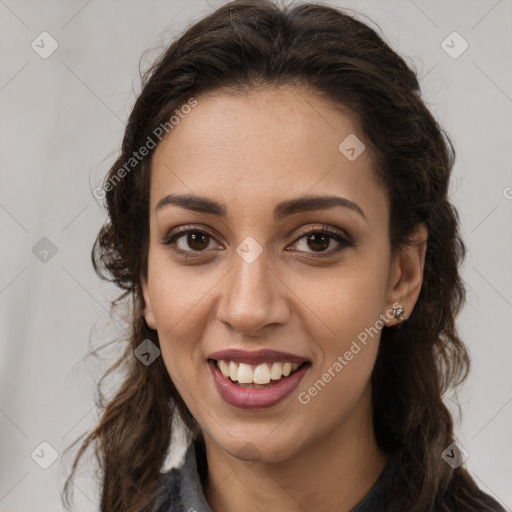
(259,273)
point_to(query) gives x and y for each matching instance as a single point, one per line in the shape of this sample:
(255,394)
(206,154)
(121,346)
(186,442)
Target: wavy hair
(243,45)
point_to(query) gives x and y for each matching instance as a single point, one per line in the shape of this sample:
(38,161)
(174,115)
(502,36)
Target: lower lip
(255,398)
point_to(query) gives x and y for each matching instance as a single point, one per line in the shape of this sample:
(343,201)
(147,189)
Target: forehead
(264,146)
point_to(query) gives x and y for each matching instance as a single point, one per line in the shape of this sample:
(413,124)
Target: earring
(399,313)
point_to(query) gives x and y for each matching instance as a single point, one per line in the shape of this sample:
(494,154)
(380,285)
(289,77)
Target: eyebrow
(283,209)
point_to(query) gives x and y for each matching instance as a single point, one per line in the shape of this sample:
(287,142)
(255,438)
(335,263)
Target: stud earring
(398,312)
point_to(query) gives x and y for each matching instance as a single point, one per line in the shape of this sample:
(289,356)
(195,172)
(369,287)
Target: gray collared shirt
(182,490)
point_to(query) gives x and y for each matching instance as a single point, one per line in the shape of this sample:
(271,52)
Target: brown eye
(197,240)
(318,241)
(189,242)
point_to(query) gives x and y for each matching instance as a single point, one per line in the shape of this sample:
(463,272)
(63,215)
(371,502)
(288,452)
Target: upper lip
(256,356)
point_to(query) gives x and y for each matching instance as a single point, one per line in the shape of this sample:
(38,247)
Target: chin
(261,449)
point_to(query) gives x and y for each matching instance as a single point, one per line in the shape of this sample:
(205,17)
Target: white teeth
(276,371)
(261,374)
(245,374)
(224,367)
(233,371)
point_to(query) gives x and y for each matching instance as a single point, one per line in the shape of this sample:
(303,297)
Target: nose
(253,297)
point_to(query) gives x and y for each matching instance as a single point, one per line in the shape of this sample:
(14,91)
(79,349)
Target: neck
(333,473)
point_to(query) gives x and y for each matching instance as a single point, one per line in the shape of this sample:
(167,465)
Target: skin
(251,152)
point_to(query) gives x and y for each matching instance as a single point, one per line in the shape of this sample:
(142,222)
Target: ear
(148,311)
(406,275)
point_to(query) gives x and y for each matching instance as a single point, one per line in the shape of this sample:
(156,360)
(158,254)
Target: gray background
(61,123)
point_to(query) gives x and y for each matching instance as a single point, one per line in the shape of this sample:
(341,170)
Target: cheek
(346,344)
(175,293)
(343,312)
(178,300)
(342,303)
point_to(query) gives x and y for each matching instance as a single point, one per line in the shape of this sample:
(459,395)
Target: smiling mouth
(263,375)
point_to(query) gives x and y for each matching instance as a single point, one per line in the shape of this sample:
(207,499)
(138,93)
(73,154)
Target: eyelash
(342,239)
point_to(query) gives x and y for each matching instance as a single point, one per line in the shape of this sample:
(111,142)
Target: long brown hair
(245,44)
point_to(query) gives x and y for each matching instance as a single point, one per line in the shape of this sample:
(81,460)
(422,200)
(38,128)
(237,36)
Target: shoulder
(181,488)
(489,504)
(390,490)
(494,506)
(465,495)
(168,498)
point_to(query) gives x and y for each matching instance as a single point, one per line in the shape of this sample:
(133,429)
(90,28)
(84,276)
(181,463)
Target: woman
(279,216)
